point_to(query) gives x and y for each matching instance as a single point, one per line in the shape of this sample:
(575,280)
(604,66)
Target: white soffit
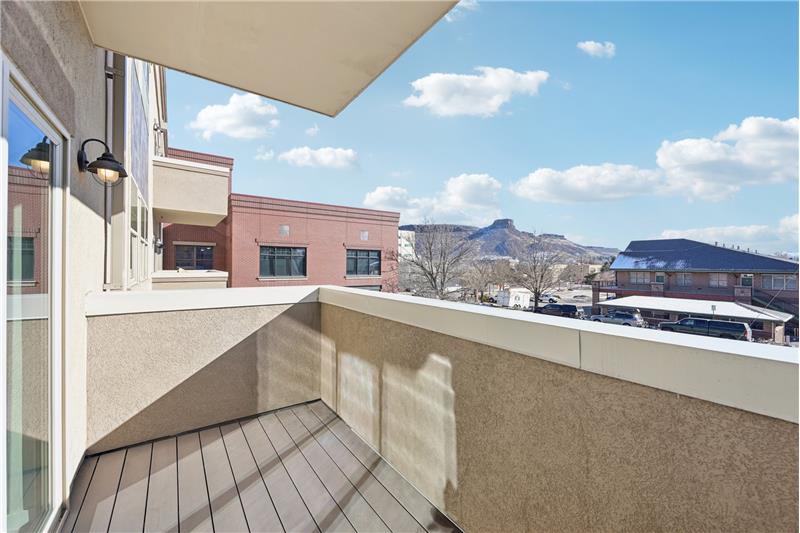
(318,55)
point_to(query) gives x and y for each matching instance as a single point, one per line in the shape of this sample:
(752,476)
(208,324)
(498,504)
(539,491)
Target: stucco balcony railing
(187,192)
(507,421)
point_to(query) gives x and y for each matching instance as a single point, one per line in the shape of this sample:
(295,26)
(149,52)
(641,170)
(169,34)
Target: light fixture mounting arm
(83,161)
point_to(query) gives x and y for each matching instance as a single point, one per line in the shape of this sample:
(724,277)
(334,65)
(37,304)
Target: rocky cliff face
(502,239)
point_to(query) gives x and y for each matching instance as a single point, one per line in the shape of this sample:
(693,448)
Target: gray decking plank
(131,501)
(226,506)
(360,514)
(78,493)
(415,503)
(388,508)
(323,508)
(95,513)
(193,504)
(292,510)
(162,499)
(256,501)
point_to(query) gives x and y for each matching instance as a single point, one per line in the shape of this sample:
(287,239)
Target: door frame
(14,86)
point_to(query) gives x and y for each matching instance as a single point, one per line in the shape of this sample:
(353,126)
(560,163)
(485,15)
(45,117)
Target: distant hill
(502,239)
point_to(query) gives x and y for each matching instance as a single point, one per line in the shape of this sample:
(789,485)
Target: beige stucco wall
(189,193)
(157,374)
(507,442)
(49,44)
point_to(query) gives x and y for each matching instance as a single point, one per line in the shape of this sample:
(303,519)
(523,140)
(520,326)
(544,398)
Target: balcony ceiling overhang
(318,55)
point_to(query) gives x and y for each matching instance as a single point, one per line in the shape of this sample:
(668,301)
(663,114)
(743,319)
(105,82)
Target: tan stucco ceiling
(318,55)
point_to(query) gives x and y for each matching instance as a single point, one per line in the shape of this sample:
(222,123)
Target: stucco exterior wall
(507,442)
(157,374)
(48,42)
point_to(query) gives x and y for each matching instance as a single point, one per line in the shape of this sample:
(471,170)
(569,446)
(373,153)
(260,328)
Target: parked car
(710,328)
(549,298)
(624,318)
(566,310)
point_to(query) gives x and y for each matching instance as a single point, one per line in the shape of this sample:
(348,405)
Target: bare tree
(538,268)
(484,271)
(439,260)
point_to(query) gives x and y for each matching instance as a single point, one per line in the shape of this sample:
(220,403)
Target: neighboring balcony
(187,192)
(503,420)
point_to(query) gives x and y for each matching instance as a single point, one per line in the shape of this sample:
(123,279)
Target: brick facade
(325,231)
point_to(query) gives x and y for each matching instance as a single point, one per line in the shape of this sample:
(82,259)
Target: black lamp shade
(38,157)
(106,165)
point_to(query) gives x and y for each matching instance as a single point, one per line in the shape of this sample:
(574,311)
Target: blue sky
(606,122)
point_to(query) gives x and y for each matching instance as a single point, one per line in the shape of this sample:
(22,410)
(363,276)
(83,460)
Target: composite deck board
(226,507)
(396,517)
(256,501)
(131,499)
(291,508)
(359,513)
(326,512)
(194,509)
(298,469)
(431,518)
(79,488)
(162,496)
(95,513)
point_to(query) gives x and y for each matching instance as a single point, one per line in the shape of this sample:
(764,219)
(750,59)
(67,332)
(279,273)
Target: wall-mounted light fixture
(106,169)
(38,157)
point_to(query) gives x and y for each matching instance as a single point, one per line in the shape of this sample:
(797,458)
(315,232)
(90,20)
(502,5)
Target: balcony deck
(295,469)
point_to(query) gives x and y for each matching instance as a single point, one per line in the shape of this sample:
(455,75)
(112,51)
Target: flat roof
(699,307)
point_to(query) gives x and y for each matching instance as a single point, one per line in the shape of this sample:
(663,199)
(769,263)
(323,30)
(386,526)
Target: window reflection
(28,323)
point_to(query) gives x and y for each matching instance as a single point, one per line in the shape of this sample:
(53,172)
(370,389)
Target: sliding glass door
(34,167)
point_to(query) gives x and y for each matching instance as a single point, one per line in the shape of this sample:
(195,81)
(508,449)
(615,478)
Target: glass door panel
(28,350)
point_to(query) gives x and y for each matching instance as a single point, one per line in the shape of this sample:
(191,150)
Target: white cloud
(320,157)
(245,116)
(460,10)
(467,198)
(262,154)
(450,95)
(312,131)
(777,237)
(586,183)
(596,49)
(758,151)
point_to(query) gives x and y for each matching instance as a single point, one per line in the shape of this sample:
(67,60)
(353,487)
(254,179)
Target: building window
(194,257)
(717,279)
(747,280)
(280,262)
(660,277)
(640,278)
(683,279)
(283,230)
(778,282)
(20,259)
(364,235)
(363,262)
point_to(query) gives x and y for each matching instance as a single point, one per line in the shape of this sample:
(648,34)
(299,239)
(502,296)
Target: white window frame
(639,278)
(718,280)
(14,86)
(786,280)
(684,279)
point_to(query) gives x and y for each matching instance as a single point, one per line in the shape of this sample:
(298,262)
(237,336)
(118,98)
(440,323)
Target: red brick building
(273,242)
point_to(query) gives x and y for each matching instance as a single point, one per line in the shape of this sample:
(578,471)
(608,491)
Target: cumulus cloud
(758,151)
(460,10)
(585,183)
(245,116)
(312,131)
(320,157)
(262,154)
(482,95)
(776,237)
(467,198)
(596,49)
